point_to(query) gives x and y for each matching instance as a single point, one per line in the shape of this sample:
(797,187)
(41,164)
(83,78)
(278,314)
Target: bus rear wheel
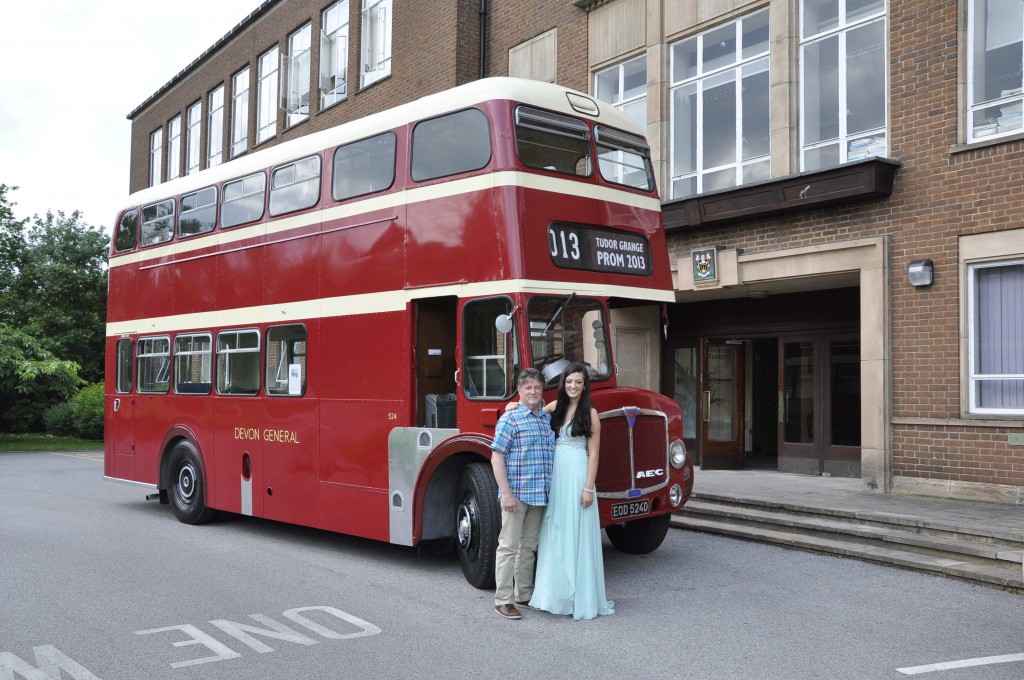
(477,524)
(640,536)
(187,487)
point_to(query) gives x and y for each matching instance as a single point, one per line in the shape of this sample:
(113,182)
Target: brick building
(836,177)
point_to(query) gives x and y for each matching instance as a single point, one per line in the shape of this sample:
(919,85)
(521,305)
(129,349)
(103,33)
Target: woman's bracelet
(593,491)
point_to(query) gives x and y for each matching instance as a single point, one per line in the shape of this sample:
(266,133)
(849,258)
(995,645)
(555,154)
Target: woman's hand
(587,498)
(511,406)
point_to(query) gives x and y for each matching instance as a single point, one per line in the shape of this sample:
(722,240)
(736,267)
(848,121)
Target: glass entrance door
(721,405)
(798,399)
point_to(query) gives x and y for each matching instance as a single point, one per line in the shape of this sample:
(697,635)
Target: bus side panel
(121,302)
(292,269)
(194,286)
(363,259)
(240,279)
(239,432)
(155,280)
(364,390)
(153,410)
(443,230)
(291,459)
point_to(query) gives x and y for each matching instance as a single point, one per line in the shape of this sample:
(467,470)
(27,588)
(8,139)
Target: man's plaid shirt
(528,444)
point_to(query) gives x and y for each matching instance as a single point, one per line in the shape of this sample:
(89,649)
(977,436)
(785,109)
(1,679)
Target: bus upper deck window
(550,141)
(158,222)
(364,167)
(295,186)
(198,212)
(450,144)
(243,200)
(624,158)
(127,231)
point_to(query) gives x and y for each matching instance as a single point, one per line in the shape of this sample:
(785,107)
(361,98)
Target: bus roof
(533,92)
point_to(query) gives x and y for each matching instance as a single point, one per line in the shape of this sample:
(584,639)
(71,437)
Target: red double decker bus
(325,332)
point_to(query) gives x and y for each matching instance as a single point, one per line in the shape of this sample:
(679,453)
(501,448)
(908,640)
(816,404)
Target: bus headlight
(675,495)
(677,453)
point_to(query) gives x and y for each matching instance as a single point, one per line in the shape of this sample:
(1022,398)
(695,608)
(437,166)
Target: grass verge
(44,442)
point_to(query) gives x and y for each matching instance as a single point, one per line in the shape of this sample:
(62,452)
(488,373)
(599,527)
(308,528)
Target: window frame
(223,198)
(705,78)
(295,182)
(215,127)
(419,126)
(205,362)
(571,127)
(844,139)
(268,92)
(375,45)
(142,348)
(329,48)
(173,218)
(335,174)
(620,101)
(123,369)
(511,343)
(973,377)
(193,137)
(174,148)
(1014,101)
(304,364)
(239,142)
(224,373)
(296,71)
(132,229)
(156,150)
(182,212)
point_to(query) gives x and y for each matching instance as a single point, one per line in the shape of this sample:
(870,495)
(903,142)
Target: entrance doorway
(775,387)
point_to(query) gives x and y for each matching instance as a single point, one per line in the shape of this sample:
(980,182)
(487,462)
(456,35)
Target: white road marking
(964,663)
(98,458)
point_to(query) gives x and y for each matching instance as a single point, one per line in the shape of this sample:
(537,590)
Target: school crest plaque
(705,265)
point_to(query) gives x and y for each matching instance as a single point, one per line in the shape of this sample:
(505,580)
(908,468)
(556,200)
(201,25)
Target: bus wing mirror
(503,323)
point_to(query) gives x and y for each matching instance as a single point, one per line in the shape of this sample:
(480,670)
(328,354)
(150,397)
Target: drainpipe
(483,37)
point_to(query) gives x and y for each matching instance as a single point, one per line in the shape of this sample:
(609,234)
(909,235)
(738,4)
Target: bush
(87,412)
(23,416)
(59,420)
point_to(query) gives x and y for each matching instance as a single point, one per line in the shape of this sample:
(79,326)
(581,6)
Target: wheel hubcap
(466,520)
(186,483)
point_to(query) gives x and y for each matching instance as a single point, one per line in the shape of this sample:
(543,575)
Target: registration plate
(631,509)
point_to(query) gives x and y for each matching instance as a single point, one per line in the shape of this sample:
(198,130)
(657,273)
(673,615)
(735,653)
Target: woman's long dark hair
(580,419)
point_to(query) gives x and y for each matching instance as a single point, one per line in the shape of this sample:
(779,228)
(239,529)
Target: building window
(536,58)
(192,138)
(240,112)
(266,107)
(720,115)
(995,37)
(174,148)
(215,128)
(334,55)
(286,360)
(995,297)
(156,155)
(376,41)
(624,86)
(296,76)
(842,81)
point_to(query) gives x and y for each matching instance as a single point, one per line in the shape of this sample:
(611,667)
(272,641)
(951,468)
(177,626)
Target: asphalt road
(97,583)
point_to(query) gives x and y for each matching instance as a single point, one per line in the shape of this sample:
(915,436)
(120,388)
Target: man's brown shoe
(524,603)
(508,611)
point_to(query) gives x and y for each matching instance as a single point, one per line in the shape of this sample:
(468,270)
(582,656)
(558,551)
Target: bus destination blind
(598,249)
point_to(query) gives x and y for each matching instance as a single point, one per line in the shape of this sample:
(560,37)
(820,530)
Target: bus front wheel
(640,536)
(477,524)
(187,487)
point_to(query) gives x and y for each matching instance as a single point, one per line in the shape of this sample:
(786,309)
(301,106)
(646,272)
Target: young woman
(570,566)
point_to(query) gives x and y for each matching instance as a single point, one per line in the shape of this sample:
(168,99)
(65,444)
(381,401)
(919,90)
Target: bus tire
(477,524)
(187,486)
(640,536)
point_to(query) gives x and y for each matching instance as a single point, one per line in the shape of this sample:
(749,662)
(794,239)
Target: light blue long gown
(570,565)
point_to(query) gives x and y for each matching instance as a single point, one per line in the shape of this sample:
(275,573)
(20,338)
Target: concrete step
(1005,574)
(1010,540)
(812,523)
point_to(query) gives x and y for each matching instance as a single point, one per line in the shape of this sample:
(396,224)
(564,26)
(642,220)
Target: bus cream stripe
(399,198)
(370,303)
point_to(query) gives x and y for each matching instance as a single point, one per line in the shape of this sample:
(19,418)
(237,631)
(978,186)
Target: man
(521,455)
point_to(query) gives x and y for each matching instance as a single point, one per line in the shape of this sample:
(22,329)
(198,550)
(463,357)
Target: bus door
(721,405)
(120,410)
(490,360)
(434,353)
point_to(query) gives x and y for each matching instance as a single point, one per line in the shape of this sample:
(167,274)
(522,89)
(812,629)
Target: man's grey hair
(528,374)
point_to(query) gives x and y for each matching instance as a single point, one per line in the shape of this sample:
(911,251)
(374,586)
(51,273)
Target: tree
(31,380)
(54,284)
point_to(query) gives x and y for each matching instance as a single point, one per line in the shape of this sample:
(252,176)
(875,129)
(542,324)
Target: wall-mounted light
(921,273)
